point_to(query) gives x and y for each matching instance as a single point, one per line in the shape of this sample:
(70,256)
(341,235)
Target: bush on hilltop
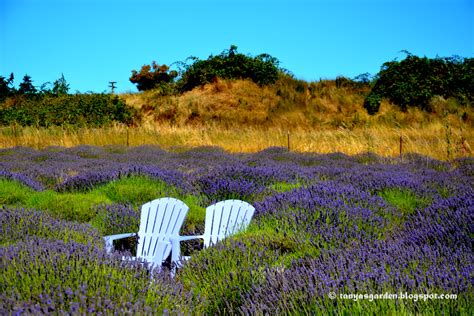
(414,81)
(262,69)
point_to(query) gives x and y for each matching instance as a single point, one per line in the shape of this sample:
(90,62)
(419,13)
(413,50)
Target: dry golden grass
(225,102)
(384,141)
(289,104)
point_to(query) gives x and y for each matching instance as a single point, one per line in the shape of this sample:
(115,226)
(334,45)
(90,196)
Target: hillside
(288,104)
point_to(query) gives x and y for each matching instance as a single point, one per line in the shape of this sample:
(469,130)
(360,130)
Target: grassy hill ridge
(287,104)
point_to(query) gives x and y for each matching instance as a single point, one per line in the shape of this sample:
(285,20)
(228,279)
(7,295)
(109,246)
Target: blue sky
(93,42)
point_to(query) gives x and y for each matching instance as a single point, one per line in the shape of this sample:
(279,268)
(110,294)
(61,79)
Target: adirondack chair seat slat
(158,258)
(185,238)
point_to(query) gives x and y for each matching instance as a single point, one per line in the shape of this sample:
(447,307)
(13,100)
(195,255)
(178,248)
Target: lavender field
(326,226)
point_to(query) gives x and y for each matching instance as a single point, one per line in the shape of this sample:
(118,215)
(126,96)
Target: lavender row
(90,179)
(376,268)
(116,219)
(53,277)
(217,175)
(18,224)
(22,178)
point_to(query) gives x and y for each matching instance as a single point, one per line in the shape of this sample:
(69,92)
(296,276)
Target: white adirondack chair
(160,220)
(222,219)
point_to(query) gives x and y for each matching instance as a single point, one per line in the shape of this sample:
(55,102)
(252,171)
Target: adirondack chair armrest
(176,246)
(184,238)
(110,239)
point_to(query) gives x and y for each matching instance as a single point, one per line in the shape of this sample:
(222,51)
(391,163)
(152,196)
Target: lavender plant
(43,277)
(18,224)
(116,219)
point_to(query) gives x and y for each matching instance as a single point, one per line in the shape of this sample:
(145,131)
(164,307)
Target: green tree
(6,88)
(364,78)
(45,88)
(60,86)
(26,86)
(153,76)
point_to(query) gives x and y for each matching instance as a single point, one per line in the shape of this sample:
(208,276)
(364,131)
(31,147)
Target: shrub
(153,76)
(262,69)
(415,80)
(372,103)
(80,110)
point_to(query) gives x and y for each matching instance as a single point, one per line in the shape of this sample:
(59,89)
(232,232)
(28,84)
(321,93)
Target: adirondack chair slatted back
(159,220)
(226,218)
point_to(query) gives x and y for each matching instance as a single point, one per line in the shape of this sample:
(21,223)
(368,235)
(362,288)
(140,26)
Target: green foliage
(60,86)
(372,103)
(13,192)
(285,187)
(5,87)
(79,206)
(364,78)
(154,76)
(405,200)
(135,190)
(68,206)
(415,80)
(262,69)
(79,110)
(26,86)
(138,190)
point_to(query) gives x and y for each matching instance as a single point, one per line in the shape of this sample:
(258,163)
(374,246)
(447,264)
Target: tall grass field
(385,141)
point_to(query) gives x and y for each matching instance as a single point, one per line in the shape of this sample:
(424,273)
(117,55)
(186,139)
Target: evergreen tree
(5,89)
(26,86)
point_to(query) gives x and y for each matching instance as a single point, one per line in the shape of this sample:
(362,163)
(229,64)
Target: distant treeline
(47,106)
